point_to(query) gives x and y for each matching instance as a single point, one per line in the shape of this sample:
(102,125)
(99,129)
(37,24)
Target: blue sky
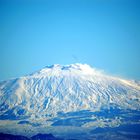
(102,33)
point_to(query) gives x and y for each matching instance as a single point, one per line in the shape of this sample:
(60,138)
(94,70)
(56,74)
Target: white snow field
(70,101)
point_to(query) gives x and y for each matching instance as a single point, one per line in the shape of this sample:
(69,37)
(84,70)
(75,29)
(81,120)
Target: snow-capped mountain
(70,95)
(67,88)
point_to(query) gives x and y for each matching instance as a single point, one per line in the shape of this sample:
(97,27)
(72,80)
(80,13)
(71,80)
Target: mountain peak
(77,68)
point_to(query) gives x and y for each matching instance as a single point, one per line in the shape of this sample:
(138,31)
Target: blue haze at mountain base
(125,131)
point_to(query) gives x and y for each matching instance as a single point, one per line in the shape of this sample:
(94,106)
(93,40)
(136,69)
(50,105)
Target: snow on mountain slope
(66,88)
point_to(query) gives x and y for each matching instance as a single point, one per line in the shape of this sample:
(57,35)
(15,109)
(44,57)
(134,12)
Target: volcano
(72,102)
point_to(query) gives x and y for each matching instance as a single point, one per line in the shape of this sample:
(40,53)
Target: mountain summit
(68,69)
(58,91)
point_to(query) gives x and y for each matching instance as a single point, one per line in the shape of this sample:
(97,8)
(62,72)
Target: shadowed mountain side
(36,137)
